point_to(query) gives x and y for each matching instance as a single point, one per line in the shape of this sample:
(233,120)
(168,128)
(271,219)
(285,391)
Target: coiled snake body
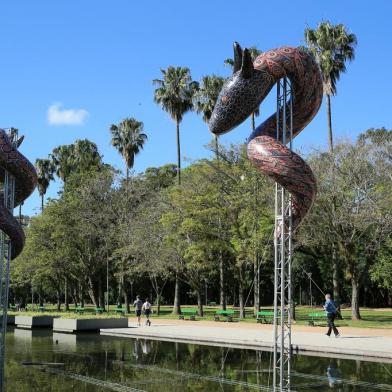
(243,93)
(25,181)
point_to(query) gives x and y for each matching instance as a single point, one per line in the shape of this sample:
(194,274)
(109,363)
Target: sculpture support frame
(283,250)
(8,192)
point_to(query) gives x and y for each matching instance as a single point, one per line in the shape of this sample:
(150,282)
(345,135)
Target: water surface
(92,363)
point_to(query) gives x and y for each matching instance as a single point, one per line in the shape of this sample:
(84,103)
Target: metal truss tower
(283,250)
(7,197)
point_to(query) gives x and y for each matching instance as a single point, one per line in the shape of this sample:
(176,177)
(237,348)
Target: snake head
(240,95)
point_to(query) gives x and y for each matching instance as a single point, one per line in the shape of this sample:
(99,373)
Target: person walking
(147,311)
(330,309)
(138,304)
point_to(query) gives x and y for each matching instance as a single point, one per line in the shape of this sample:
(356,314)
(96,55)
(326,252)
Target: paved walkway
(354,342)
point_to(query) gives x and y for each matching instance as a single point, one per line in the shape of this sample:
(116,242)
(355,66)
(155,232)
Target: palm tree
(205,98)
(45,172)
(78,157)
(254,53)
(128,138)
(175,93)
(332,46)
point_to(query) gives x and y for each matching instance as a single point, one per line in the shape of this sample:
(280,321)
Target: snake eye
(225,99)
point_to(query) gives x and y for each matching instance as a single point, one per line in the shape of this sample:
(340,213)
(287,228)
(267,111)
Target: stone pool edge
(320,351)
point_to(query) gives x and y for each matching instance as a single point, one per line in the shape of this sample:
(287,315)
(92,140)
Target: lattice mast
(283,250)
(7,197)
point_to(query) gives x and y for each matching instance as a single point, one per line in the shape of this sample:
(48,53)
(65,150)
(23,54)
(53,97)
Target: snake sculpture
(242,94)
(25,181)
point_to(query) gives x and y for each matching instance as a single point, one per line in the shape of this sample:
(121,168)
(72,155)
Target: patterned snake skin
(243,93)
(25,181)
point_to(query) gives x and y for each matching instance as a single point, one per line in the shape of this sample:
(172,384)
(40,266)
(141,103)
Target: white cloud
(57,115)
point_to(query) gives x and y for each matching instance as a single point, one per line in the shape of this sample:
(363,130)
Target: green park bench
(41,309)
(317,319)
(265,316)
(212,304)
(191,313)
(119,310)
(79,309)
(13,307)
(228,314)
(99,310)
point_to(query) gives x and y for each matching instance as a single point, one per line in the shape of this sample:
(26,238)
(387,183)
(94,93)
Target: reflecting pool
(42,360)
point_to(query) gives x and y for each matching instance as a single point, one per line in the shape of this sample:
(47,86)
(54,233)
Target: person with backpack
(147,311)
(331,310)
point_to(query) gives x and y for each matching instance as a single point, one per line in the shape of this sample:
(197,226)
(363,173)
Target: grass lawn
(371,318)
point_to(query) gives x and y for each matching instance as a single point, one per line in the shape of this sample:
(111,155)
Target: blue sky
(99,58)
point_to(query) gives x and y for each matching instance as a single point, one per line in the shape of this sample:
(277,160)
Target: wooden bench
(212,304)
(317,319)
(228,314)
(265,316)
(79,309)
(188,312)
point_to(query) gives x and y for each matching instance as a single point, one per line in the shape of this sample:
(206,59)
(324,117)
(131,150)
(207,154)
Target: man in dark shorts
(330,309)
(147,311)
(138,304)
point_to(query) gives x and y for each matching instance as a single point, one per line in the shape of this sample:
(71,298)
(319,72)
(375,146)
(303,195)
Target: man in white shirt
(147,311)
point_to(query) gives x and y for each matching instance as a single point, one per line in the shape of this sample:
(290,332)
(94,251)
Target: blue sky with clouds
(71,68)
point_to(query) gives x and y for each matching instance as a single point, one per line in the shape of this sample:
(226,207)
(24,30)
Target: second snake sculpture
(243,93)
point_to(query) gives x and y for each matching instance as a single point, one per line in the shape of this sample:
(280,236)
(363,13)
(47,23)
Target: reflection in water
(333,374)
(100,363)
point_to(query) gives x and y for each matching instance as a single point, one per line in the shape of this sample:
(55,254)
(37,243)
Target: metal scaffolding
(7,198)
(283,250)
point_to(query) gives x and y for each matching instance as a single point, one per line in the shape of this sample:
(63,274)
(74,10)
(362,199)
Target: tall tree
(45,172)
(128,138)
(332,46)
(78,157)
(254,53)
(175,94)
(206,97)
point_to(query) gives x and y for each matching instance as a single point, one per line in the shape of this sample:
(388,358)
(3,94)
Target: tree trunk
(120,291)
(355,315)
(58,300)
(329,120)
(176,305)
(216,147)
(66,304)
(178,152)
(101,296)
(335,274)
(159,304)
(256,290)
(241,298)
(222,288)
(126,296)
(42,203)
(92,292)
(199,302)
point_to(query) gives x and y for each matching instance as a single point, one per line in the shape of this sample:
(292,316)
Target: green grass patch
(67,315)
